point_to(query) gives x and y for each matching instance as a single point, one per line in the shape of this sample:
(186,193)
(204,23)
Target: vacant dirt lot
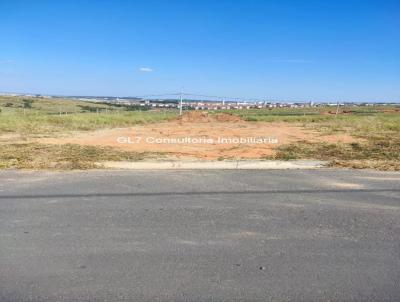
(203,136)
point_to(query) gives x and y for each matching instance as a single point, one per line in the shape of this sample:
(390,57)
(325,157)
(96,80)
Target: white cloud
(146,69)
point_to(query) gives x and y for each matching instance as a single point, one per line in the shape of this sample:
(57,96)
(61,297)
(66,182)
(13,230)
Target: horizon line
(225,98)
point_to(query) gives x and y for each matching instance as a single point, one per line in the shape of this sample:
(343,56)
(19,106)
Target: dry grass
(43,119)
(42,124)
(65,157)
(380,148)
(379,127)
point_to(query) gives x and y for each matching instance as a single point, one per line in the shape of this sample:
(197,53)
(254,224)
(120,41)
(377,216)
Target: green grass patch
(39,123)
(16,104)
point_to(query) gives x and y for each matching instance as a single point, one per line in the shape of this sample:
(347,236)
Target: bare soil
(200,125)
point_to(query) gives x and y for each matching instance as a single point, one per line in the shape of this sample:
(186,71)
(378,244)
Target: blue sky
(287,50)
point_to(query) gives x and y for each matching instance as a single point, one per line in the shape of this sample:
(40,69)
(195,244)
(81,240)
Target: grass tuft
(63,157)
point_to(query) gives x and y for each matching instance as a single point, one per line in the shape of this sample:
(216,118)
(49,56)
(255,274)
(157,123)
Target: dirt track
(202,136)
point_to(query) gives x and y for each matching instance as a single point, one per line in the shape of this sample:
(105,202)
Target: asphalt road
(324,235)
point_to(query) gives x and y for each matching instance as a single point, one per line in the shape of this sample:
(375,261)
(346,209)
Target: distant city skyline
(282,50)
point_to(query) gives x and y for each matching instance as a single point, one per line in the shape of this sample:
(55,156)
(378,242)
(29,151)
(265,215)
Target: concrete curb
(215,165)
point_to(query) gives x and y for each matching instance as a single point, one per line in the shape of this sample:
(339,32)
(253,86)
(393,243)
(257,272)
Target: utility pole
(337,109)
(180,103)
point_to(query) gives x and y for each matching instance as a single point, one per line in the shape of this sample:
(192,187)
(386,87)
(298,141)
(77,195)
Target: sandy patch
(345,185)
(10,138)
(215,135)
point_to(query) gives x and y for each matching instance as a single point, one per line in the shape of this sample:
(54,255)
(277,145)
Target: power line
(215,96)
(153,95)
(202,96)
(178,95)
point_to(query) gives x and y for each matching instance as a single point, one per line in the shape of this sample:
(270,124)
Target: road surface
(322,235)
